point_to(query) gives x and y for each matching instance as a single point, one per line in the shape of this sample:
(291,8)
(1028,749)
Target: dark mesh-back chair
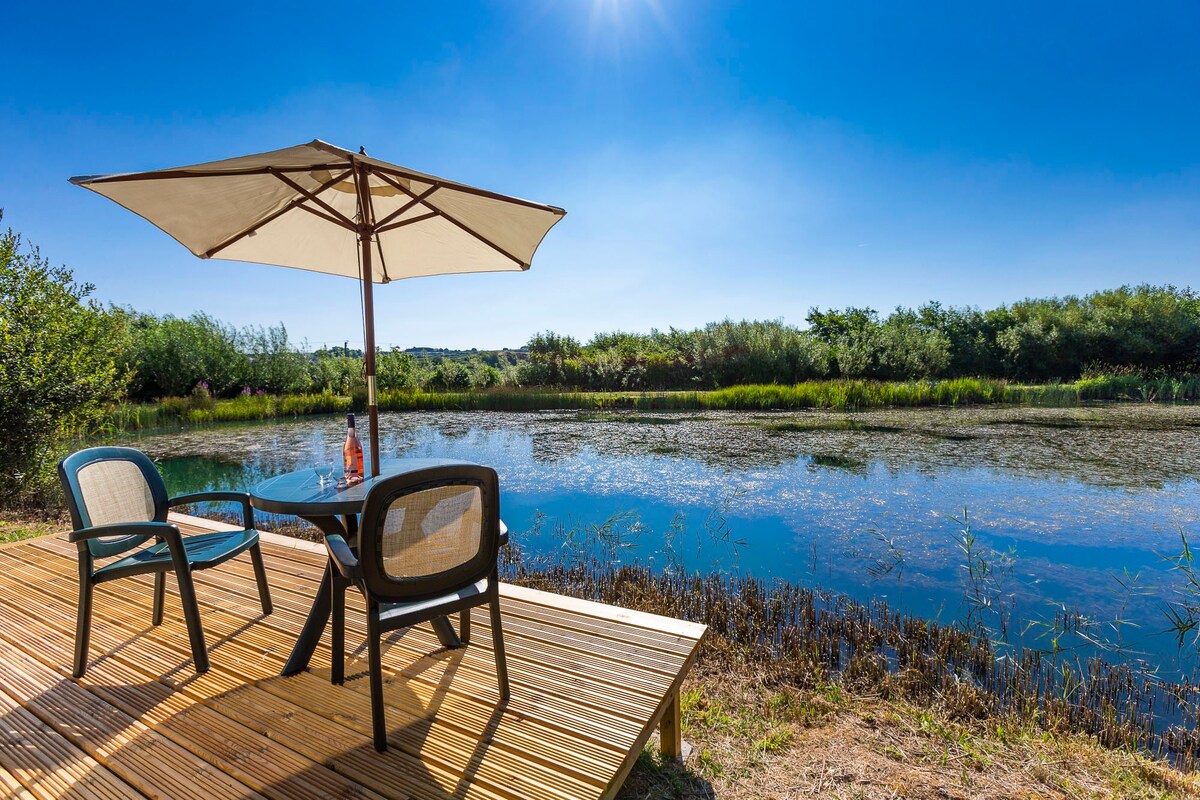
(428,545)
(118,502)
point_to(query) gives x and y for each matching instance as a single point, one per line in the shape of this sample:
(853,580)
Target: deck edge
(593,608)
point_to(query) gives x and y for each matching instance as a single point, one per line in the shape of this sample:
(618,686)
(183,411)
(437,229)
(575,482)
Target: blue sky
(742,160)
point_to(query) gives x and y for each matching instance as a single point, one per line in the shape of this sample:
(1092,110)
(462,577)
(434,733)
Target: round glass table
(335,513)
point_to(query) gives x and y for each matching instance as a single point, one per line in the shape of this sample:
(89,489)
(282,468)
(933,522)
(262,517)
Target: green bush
(169,356)
(272,365)
(398,370)
(58,369)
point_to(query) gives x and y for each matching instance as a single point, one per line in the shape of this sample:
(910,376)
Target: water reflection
(1076,495)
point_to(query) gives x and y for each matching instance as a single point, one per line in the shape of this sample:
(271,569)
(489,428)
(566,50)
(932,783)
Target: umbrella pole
(369,352)
(365,233)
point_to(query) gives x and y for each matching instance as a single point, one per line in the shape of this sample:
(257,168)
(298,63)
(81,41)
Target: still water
(1070,511)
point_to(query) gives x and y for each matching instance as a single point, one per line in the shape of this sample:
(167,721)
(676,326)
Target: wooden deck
(589,685)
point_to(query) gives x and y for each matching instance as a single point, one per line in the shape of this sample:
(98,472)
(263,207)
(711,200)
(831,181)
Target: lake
(1071,514)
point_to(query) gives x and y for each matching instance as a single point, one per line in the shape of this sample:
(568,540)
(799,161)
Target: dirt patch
(751,741)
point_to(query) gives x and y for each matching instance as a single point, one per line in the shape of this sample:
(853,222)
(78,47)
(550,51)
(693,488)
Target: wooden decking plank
(10,787)
(543,632)
(475,722)
(669,703)
(142,758)
(629,653)
(536,647)
(309,564)
(618,638)
(252,758)
(628,616)
(44,765)
(449,750)
(267,766)
(486,679)
(603,702)
(589,682)
(588,752)
(432,740)
(589,677)
(281,719)
(665,643)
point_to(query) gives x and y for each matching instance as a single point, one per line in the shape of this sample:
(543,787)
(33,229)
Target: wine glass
(324,474)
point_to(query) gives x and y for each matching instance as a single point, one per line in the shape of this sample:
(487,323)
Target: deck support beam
(670,729)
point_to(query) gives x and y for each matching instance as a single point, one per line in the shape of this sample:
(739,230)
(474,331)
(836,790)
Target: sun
(622,24)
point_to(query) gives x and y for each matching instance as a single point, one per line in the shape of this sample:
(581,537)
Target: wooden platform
(589,685)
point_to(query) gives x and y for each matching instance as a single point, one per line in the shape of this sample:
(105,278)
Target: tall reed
(824,394)
(805,636)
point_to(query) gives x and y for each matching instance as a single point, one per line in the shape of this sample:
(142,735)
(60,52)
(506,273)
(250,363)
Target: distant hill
(490,357)
(442,352)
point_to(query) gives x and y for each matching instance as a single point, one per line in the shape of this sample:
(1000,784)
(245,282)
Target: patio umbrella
(321,208)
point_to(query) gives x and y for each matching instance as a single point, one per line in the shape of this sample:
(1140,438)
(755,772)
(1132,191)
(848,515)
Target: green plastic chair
(118,502)
(428,543)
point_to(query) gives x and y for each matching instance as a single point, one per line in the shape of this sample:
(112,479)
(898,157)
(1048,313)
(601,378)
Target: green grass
(824,394)
(16,529)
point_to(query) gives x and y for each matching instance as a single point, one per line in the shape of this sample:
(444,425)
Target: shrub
(58,368)
(272,364)
(169,355)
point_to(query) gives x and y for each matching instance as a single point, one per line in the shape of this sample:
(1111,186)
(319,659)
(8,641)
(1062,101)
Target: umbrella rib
(374,240)
(382,261)
(342,219)
(462,226)
(415,201)
(321,214)
(188,173)
(409,221)
(271,217)
(462,187)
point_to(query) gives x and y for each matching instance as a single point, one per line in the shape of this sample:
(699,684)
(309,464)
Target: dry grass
(751,740)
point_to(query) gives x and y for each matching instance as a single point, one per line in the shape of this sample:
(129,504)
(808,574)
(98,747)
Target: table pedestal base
(318,615)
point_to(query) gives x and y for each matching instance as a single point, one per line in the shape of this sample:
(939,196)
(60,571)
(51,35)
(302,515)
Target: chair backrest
(106,485)
(429,532)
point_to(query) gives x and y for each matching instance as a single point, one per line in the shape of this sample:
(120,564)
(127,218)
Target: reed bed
(806,637)
(823,394)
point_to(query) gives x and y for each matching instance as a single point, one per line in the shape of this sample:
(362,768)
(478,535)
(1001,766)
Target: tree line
(1150,330)
(64,358)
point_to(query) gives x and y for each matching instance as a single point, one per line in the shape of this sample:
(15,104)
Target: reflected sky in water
(860,502)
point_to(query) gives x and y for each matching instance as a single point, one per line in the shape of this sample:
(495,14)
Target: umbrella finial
(362,151)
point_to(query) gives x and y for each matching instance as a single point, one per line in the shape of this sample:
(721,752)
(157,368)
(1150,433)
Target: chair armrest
(503,534)
(227,497)
(343,557)
(164,529)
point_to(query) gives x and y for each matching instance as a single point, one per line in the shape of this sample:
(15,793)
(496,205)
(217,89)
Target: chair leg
(260,575)
(464,626)
(160,592)
(83,627)
(375,663)
(187,598)
(337,613)
(191,614)
(498,644)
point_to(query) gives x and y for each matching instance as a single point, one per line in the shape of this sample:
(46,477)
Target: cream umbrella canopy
(321,208)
